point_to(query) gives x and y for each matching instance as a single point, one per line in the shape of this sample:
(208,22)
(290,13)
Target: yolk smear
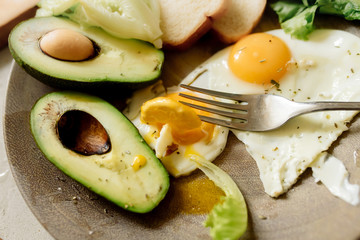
(194,196)
(187,128)
(165,110)
(206,128)
(188,137)
(139,161)
(170,166)
(151,136)
(191,152)
(259,58)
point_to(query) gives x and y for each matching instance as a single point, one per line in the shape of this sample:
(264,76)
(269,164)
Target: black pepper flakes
(275,83)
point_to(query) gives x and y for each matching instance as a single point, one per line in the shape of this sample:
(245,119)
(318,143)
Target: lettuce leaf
(137,19)
(302,24)
(53,7)
(296,17)
(286,10)
(228,219)
(350,10)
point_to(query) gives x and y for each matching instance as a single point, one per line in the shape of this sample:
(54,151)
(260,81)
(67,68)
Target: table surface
(16,219)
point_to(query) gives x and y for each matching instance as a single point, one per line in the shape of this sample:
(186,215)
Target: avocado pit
(66,44)
(82,133)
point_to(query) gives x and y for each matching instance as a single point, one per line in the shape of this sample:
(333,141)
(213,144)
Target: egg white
(177,163)
(324,68)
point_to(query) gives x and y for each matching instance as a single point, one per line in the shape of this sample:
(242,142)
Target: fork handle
(327,106)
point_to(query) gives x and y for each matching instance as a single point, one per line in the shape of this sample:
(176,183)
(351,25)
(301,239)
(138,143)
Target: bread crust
(185,43)
(6,27)
(170,19)
(223,27)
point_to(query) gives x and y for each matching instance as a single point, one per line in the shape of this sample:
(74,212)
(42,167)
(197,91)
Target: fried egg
(174,130)
(324,68)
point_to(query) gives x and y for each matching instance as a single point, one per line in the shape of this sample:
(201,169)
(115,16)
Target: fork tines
(239,114)
(231,96)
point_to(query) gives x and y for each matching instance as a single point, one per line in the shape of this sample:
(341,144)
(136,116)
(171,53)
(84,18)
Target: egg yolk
(259,58)
(187,128)
(139,161)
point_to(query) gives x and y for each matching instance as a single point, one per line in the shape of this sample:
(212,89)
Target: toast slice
(240,19)
(11,13)
(184,22)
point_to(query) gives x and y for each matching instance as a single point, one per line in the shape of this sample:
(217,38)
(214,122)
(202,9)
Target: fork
(258,112)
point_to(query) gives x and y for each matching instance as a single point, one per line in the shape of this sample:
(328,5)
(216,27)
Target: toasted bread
(11,13)
(184,22)
(240,18)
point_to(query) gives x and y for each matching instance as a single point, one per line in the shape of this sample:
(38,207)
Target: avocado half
(109,171)
(123,63)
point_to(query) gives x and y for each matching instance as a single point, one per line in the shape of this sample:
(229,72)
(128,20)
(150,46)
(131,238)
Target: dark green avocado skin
(101,82)
(68,84)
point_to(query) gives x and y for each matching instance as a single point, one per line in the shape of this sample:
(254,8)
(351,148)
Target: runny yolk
(259,58)
(187,128)
(139,161)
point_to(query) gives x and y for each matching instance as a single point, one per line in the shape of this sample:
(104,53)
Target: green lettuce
(296,17)
(228,219)
(350,10)
(302,24)
(136,19)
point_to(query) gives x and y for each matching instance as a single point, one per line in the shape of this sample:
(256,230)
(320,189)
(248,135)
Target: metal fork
(258,112)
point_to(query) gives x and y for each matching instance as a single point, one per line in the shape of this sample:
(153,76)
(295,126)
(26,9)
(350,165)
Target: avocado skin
(68,84)
(50,141)
(99,83)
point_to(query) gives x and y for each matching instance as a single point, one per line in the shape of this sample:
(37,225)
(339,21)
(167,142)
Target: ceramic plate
(70,211)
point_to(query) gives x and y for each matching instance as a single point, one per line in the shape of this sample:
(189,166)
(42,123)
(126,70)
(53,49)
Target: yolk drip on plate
(259,58)
(187,128)
(194,195)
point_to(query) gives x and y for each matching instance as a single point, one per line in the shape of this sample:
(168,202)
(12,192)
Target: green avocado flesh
(118,62)
(110,171)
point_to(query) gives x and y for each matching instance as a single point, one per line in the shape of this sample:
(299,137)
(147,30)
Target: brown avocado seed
(82,133)
(66,44)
